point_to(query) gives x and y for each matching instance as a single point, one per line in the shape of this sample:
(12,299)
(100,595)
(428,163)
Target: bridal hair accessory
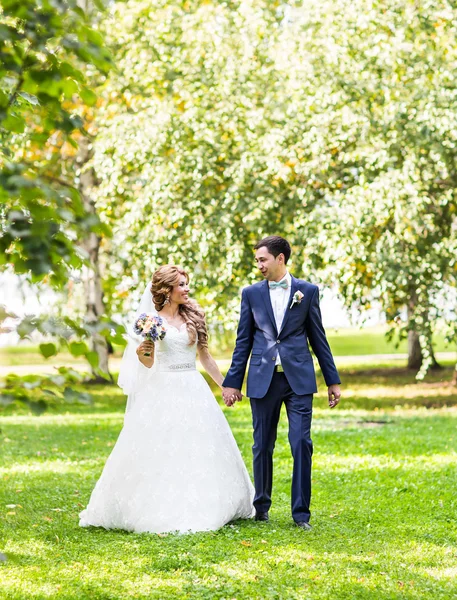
(151,327)
(298,296)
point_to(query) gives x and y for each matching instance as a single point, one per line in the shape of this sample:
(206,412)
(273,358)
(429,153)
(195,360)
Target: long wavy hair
(163,282)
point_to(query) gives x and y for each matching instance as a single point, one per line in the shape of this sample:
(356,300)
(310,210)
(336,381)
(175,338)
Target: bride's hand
(146,347)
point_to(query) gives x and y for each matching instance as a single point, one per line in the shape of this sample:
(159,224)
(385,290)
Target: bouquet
(151,327)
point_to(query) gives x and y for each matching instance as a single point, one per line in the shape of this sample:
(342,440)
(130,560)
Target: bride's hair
(163,282)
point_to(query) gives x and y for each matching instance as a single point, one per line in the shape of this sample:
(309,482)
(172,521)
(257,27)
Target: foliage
(48,51)
(390,234)
(45,50)
(204,153)
(38,391)
(331,123)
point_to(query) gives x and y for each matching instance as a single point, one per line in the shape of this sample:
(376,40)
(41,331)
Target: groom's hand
(334,395)
(231,395)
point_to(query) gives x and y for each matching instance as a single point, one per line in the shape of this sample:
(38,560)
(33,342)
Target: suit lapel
(265,293)
(293,289)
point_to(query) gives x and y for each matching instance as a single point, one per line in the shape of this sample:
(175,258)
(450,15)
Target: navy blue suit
(268,389)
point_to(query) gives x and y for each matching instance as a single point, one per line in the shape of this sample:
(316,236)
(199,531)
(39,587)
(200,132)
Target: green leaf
(5,314)
(29,98)
(88,96)
(72,395)
(6,399)
(48,350)
(26,326)
(31,385)
(92,359)
(69,87)
(13,123)
(78,348)
(100,5)
(118,340)
(68,70)
(38,408)
(93,36)
(58,380)
(76,121)
(102,229)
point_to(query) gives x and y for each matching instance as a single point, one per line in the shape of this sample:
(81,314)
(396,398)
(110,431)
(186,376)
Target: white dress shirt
(279,300)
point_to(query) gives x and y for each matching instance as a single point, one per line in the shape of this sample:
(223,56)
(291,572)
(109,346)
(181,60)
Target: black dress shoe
(303,525)
(261,516)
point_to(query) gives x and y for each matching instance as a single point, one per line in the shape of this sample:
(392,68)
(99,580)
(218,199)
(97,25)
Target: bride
(175,465)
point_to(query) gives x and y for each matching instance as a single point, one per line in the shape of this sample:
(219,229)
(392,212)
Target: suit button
(274,358)
(277,341)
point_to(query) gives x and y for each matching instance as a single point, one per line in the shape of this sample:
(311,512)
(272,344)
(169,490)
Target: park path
(42,369)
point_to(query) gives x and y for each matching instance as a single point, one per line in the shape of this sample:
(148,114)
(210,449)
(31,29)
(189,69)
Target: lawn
(373,340)
(384,506)
(344,342)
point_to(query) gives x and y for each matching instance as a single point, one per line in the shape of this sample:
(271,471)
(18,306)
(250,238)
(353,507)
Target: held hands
(334,395)
(231,395)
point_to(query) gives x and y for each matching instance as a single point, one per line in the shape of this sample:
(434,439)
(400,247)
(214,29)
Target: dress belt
(180,367)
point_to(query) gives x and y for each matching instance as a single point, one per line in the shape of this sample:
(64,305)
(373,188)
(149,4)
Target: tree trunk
(414,351)
(415,357)
(92,279)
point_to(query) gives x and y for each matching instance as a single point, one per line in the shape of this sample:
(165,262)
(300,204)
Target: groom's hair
(275,245)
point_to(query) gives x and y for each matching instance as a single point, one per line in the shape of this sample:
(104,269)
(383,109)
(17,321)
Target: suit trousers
(265,416)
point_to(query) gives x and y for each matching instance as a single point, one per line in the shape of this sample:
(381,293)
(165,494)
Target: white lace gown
(176,465)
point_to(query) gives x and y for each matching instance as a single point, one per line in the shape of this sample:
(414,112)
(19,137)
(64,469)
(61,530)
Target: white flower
(297,298)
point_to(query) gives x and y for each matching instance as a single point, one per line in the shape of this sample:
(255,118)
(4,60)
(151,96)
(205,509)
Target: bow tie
(278,284)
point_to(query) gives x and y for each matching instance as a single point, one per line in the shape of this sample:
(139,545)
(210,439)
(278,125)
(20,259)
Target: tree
(207,152)
(232,121)
(45,50)
(394,236)
(42,213)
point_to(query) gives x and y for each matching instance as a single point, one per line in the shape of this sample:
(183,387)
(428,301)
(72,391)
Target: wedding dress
(176,465)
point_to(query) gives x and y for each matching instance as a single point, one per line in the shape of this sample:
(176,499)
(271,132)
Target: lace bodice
(174,353)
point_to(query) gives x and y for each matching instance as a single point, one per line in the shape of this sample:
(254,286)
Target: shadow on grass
(436,391)
(389,403)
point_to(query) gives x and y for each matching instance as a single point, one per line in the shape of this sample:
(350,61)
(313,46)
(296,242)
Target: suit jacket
(257,333)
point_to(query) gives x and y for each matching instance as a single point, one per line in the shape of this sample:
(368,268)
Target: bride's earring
(167,300)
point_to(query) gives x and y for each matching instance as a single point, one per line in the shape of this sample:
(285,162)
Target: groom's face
(270,267)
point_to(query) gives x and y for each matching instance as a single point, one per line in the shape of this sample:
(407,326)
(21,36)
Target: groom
(278,317)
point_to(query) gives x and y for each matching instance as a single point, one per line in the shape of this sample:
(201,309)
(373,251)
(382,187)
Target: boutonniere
(297,298)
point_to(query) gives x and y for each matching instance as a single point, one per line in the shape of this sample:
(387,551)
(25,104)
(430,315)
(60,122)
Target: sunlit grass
(373,340)
(383,506)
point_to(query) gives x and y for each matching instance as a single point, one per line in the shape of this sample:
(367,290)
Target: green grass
(384,506)
(356,342)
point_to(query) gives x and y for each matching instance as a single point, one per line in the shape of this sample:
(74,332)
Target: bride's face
(180,292)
